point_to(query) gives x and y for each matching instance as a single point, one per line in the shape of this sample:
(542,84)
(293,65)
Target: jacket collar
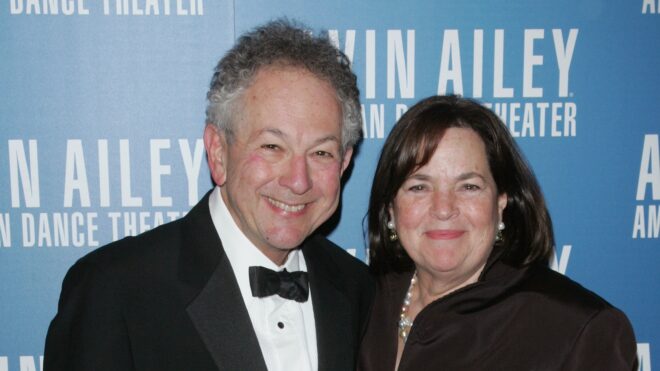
(495,280)
(331,307)
(202,251)
(211,295)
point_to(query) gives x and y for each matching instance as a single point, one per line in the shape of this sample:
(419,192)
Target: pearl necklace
(405,322)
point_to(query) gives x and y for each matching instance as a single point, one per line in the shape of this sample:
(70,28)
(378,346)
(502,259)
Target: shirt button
(280,325)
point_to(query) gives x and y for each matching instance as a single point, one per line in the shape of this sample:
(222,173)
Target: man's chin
(287,243)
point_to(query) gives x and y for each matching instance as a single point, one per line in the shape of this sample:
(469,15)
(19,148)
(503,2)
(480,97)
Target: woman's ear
(501,203)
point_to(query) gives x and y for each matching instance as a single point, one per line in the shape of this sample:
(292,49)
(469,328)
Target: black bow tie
(289,285)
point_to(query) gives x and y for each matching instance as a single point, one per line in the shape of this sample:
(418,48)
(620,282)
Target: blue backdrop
(102,110)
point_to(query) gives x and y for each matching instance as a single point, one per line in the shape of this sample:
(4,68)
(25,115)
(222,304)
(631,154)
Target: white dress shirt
(285,328)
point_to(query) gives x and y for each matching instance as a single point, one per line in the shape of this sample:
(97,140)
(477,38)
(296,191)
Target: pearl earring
(499,235)
(391,227)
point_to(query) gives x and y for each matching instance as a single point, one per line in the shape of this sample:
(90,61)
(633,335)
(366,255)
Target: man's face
(280,174)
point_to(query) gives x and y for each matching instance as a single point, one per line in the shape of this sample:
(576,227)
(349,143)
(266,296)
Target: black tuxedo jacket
(168,300)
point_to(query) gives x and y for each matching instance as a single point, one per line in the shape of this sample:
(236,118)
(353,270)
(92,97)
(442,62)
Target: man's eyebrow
(275,131)
(279,133)
(329,138)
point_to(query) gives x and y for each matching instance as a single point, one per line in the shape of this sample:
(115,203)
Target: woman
(460,239)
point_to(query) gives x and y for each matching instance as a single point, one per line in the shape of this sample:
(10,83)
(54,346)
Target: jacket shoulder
(134,252)
(557,289)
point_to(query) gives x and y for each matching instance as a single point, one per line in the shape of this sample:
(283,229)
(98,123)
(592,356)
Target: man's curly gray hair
(287,44)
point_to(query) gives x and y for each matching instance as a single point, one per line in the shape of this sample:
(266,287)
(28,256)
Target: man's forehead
(282,95)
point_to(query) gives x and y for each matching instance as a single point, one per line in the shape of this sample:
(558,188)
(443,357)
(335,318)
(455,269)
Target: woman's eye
(416,188)
(270,146)
(471,187)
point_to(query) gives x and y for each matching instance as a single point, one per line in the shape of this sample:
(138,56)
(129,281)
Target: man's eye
(471,187)
(324,154)
(416,188)
(270,146)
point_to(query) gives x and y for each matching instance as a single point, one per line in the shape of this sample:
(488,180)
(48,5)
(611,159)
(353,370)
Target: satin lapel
(222,321)
(332,311)
(212,298)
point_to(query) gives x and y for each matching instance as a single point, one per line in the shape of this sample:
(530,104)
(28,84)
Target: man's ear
(346,160)
(215,143)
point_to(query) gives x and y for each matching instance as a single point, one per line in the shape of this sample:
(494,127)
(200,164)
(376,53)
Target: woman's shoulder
(554,289)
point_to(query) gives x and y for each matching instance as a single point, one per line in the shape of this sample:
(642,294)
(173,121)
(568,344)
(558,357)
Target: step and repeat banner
(102,110)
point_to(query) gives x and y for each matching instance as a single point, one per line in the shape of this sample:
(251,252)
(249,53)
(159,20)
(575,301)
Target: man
(282,120)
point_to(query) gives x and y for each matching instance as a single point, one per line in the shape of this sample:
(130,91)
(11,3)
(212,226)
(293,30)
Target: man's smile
(286,207)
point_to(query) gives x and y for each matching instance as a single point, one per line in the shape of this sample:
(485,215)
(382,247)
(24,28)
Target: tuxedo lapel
(220,316)
(332,311)
(212,297)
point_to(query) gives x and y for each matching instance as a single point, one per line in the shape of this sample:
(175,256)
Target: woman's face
(446,213)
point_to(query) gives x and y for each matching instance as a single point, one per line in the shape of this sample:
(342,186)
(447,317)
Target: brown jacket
(512,319)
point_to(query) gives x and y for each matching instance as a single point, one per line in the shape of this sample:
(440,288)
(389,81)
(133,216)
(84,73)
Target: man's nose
(297,177)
